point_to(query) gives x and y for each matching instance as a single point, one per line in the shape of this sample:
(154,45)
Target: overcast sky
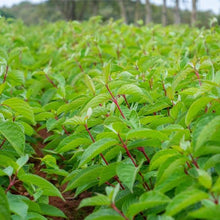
(213,5)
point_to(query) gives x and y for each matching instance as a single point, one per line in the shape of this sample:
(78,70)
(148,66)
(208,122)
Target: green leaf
(216,187)
(75,104)
(147,200)
(50,210)
(94,102)
(98,200)
(160,157)
(212,161)
(195,108)
(17,205)
(204,178)
(84,176)
(21,108)
(4,206)
(127,174)
(130,89)
(106,71)
(48,188)
(95,149)
(204,130)
(22,161)
(185,199)
(6,161)
(108,172)
(89,83)
(14,134)
(76,120)
(142,133)
(71,142)
(209,213)
(107,214)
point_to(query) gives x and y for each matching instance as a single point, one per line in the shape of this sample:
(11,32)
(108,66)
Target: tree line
(130,11)
(67,7)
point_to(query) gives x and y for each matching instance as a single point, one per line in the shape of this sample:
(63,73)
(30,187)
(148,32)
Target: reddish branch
(106,162)
(141,149)
(2,143)
(12,182)
(115,101)
(79,65)
(126,101)
(6,74)
(118,211)
(133,161)
(50,81)
(197,74)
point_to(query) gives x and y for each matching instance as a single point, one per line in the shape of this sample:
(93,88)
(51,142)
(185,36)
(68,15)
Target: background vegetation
(53,10)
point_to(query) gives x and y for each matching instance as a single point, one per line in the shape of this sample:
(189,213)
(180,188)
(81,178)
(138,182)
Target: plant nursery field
(105,121)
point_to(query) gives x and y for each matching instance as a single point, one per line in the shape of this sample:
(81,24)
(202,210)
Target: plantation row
(130,114)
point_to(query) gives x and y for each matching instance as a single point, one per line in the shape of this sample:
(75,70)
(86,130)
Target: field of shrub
(125,117)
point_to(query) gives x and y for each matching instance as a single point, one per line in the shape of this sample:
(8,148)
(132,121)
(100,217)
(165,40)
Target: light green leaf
(204,178)
(104,214)
(50,210)
(48,188)
(98,200)
(84,176)
(141,133)
(94,102)
(4,206)
(204,130)
(216,187)
(14,134)
(21,108)
(89,83)
(96,148)
(147,200)
(22,161)
(160,157)
(209,213)
(212,161)
(127,174)
(195,108)
(185,199)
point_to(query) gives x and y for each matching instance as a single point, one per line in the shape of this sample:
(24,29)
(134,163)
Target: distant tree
(164,13)
(194,10)
(123,10)
(66,7)
(147,12)
(137,11)
(177,12)
(95,7)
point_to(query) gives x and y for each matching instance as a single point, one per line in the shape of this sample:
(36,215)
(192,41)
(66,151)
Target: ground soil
(69,206)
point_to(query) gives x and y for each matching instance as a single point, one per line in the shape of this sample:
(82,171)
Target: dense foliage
(131,114)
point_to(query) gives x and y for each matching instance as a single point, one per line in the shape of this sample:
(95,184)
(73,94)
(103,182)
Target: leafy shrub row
(131,113)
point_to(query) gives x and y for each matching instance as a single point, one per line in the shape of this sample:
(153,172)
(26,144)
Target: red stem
(87,129)
(126,101)
(118,211)
(80,66)
(143,151)
(106,162)
(6,74)
(50,81)
(2,143)
(194,162)
(132,159)
(12,182)
(197,74)
(115,101)
(164,89)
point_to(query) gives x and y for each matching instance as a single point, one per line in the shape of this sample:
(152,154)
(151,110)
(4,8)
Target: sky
(213,5)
